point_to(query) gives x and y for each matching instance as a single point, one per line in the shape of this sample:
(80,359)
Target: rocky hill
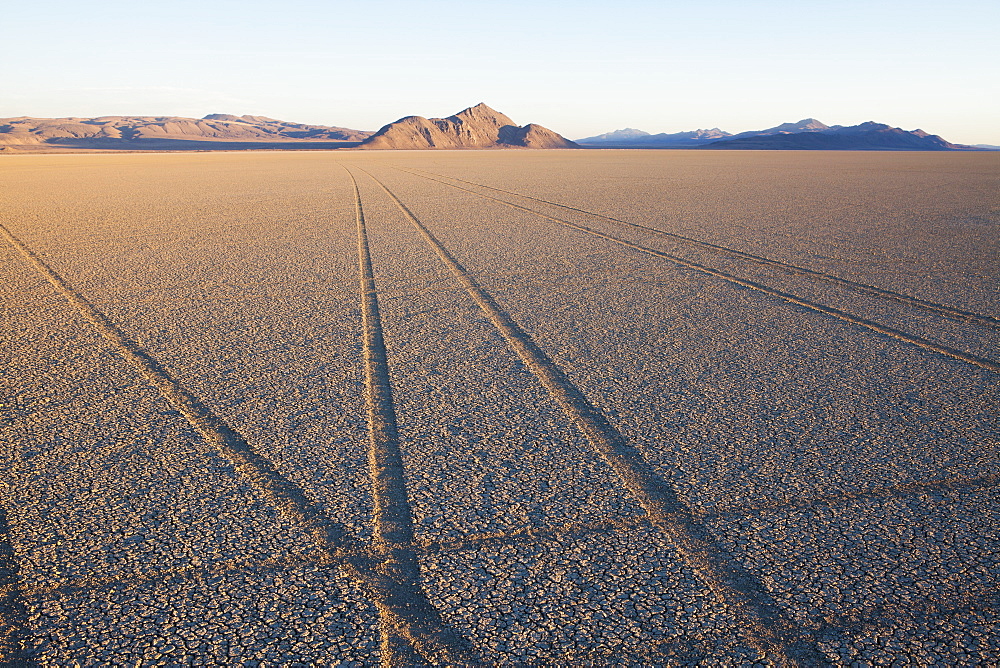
(475,127)
(165,132)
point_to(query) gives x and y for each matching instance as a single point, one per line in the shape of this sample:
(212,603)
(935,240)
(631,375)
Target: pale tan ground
(847,475)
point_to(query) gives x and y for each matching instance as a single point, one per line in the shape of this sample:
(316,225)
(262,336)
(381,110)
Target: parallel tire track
(933,307)
(913,339)
(739,589)
(395,598)
(393,517)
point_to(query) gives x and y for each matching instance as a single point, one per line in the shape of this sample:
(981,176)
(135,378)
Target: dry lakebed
(500,407)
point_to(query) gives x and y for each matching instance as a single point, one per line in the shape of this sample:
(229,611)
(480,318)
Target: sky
(579,67)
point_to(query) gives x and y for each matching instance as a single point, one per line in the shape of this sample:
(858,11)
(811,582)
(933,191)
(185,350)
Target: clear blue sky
(580,67)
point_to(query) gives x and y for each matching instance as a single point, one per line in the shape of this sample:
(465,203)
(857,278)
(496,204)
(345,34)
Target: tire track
(891,295)
(394,536)
(757,613)
(393,597)
(913,339)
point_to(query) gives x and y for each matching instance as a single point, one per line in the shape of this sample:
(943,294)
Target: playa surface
(586,407)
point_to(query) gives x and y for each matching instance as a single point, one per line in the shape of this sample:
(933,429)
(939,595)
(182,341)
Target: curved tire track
(732,584)
(918,341)
(393,596)
(923,304)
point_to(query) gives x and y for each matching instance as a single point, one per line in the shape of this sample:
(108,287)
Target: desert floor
(579,407)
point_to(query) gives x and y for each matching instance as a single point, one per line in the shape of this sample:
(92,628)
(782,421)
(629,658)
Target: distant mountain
(631,138)
(807,134)
(868,136)
(165,132)
(805,125)
(615,136)
(475,127)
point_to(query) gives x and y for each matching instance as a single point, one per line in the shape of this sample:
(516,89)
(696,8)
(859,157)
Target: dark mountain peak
(867,136)
(806,134)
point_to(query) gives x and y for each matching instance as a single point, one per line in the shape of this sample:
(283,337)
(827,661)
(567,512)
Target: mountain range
(476,127)
(807,134)
(632,138)
(215,131)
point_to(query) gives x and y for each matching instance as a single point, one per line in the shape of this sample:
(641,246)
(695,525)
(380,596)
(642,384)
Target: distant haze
(581,68)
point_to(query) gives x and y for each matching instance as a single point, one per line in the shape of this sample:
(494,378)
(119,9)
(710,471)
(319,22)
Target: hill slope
(475,127)
(157,132)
